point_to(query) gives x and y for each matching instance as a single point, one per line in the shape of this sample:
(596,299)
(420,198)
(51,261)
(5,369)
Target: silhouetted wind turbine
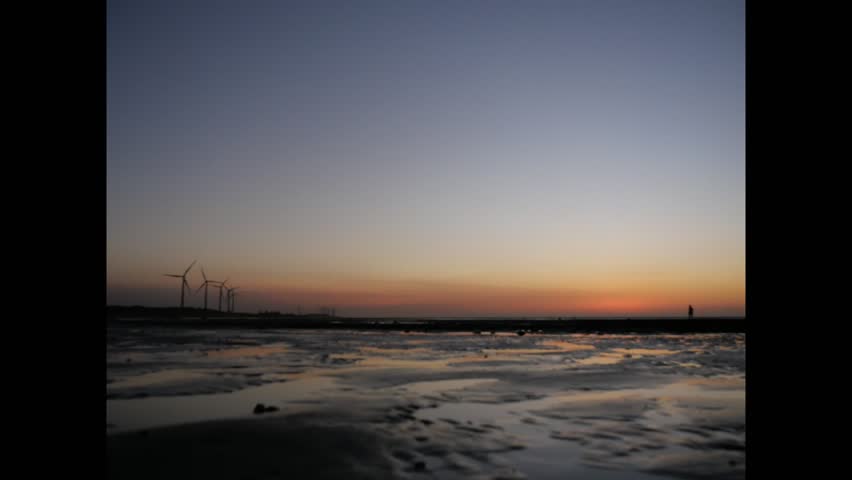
(206,282)
(234,301)
(183,283)
(231,295)
(220,287)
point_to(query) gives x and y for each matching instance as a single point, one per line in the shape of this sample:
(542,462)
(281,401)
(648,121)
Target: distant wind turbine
(183,284)
(220,287)
(231,296)
(205,284)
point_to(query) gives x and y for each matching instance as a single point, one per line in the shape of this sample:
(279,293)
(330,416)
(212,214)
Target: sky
(429,158)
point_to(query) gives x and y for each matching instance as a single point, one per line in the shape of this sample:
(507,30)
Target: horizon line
(562,317)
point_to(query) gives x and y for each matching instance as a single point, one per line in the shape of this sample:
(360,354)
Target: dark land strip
(196,318)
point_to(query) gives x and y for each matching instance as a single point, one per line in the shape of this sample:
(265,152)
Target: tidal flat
(183,403)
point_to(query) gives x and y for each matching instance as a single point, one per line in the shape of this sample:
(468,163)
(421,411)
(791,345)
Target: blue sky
(369,147)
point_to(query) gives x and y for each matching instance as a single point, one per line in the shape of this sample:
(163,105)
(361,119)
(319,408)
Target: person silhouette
(690,311)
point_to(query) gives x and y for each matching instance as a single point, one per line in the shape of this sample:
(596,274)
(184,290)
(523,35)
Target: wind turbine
(231,296)
(183,283)
(220,287)
(205,284)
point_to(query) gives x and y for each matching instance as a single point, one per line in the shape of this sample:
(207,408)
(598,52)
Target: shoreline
(483,326)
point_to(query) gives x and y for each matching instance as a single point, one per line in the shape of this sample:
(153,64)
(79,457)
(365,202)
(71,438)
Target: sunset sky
(435,158)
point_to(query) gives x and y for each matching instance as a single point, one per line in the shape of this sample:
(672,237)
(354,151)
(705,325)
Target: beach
(389,404)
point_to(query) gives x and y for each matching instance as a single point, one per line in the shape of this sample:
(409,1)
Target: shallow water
(455,405)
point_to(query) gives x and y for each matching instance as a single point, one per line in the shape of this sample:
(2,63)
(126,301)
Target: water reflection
(593,406)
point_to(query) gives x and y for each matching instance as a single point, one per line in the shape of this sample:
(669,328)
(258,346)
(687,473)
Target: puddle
(437,386)
(644,351)
(253,351)
(159,378)
(146,413)
(602,359)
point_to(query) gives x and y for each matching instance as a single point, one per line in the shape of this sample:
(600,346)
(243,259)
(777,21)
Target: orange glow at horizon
(471,299)
(617,287)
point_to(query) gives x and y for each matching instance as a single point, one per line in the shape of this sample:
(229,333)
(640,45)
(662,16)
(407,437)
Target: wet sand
(355,404)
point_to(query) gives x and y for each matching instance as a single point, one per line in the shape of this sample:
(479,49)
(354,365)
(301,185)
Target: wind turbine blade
(203,275)
(199,288)
(170,275)
(190,267)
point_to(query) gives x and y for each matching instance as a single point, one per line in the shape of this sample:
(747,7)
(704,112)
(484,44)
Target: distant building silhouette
(690,311)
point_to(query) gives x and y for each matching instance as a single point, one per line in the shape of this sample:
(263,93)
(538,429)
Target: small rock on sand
(261,408)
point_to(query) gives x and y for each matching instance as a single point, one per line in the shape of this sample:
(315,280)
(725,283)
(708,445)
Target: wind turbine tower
(184,284)
(205,284)
(220,287)
(231,296)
